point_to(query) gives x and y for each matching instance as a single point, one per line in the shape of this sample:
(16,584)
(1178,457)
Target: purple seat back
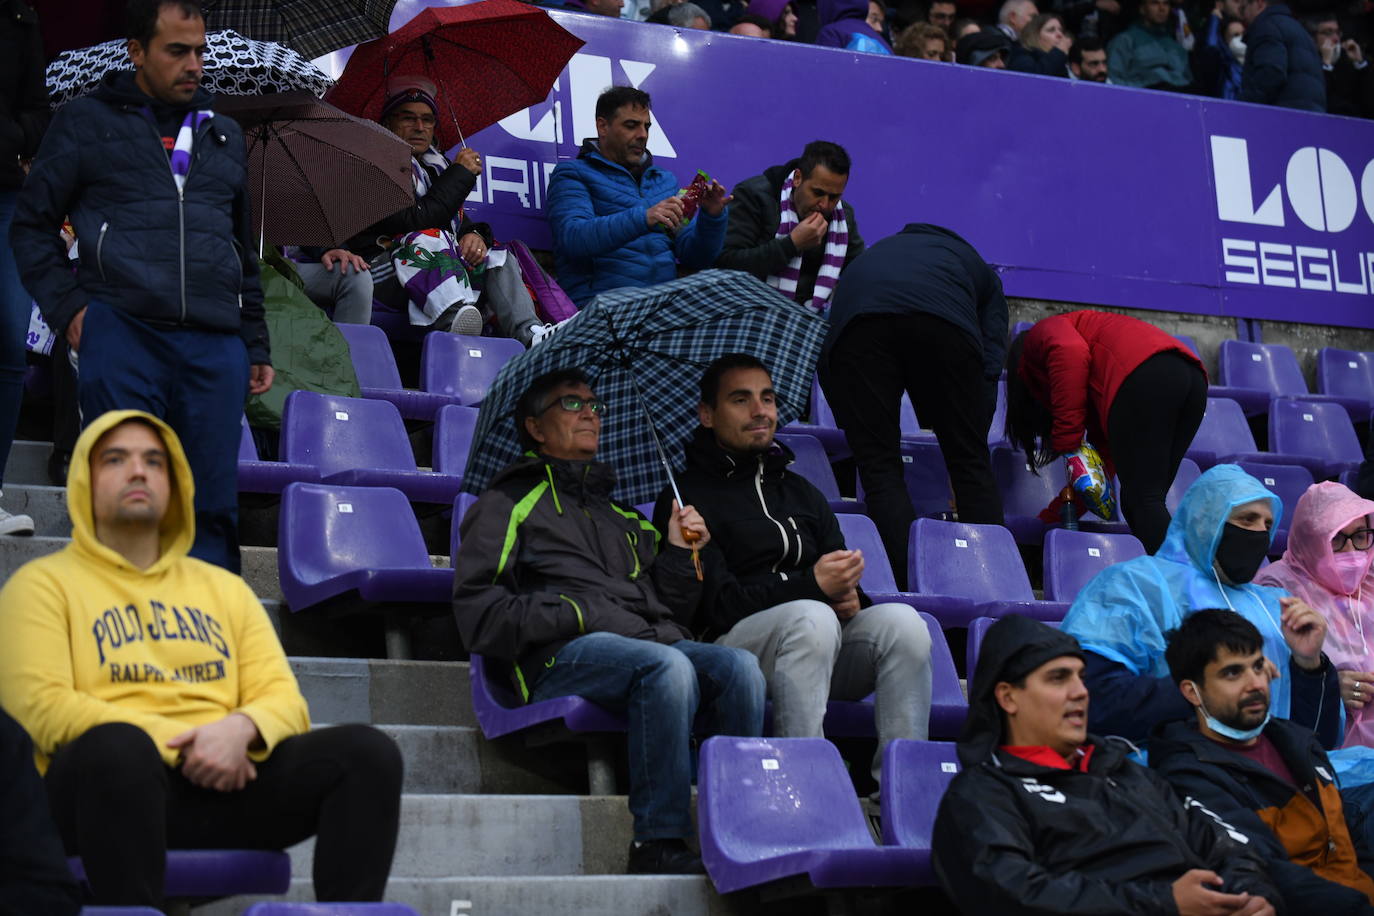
(373,361)
(461,503)
(340,434)
(1021,327)
(860,533)
(453,429)
(1189,343)
(283,908)
(1268,367)
(500,711)
(978,562)
(915,776)
(1074,557)
(1188,471)
(1224,431)
(927,479)
(811,462)
(195,873)
(1321,430)
(1288,482)
(1025,494)
(1345,372)
(464,367)
(914,430)
(248,449)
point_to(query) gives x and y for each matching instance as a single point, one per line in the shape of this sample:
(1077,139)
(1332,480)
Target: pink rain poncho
(1308,570)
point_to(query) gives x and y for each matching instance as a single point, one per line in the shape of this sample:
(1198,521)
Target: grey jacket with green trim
(547,555)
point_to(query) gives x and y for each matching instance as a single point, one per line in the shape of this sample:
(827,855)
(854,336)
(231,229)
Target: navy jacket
(167,258)
(1282,65)
(22,91)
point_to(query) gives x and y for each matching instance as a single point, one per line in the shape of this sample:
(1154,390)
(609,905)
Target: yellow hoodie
(86,638)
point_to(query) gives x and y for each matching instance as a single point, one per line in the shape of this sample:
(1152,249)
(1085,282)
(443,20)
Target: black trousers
(875,360)
(1150,425)
(119,807)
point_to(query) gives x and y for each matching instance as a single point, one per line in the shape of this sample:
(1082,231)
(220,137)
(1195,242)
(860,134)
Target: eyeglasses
(1362,539)
(573,404)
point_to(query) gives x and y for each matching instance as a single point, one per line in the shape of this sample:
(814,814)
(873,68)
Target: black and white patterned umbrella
(234,65)
(312,27)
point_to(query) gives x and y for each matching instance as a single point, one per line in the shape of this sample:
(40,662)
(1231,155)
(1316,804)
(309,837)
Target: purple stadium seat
(358,442)
(1189,343)
(927,478)
(1317,435)
(770,809)
(461,503)
(1224,437)
(1289,483)
(915,776)
(1348,374)
(1255,373)
(1025,494)
(282,908)
(961,571)
(500,711)
(1188,472)
(255,476)
(1074,557)
(977,629)
(334,540)
(463,367)
(813,464)
(822,425)
(209,873)
(378,377)
(1021,327)
(453,429)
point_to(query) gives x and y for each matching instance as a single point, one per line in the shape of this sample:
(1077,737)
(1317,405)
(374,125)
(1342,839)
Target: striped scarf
(832,259)
(181,151)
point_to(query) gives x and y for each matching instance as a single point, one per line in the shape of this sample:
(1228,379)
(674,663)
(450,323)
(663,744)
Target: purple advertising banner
(1076,192)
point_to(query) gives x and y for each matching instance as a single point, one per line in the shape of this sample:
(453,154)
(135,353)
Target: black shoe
(664,857)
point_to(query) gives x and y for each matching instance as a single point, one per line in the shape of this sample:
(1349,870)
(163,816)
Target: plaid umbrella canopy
(311,27)
(657,340)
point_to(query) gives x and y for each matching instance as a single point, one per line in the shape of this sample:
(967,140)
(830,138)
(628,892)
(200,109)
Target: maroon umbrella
(488,59)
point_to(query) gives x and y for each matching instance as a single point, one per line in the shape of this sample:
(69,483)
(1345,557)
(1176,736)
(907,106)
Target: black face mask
(1240,553)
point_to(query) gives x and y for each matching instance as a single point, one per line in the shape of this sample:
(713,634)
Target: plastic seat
(282,908)
(461,503)
(915,776)
(822,425)
(333,541)
(1189,343)
(1024,493)
(453,429)
(976,631)
(1347,374)
(1224,437)
(257,476)
(1317,435)
(1255,373)
(375,365)
(770,809)
(1187,473)
(1074,557)
(463,367)
(813,464)
(211,873)
(500,711)
(1288,482)
(358,442)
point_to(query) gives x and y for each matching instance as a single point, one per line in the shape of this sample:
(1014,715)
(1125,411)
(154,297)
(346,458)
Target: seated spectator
(941,15)
(1218,60)
(924,41)
(545,583)
(795,602)
(1013,17)
(338,281)
(963,27)
(1327,564)
(1349,78)
(751,25)
(159,699)
(1246,766)
(1047,818)
(781,15)
(1215,545)
(1282,65)
(985,48)
(1147,54)
(1043,48)
(1088,60)
(844,24)
(790,228)
(431,257)
(688,15)
(616,217)
(877,19)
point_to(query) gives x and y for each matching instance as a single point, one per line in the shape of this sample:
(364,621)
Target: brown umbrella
(318,175)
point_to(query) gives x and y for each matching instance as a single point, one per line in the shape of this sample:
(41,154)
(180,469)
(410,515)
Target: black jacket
(23,92)
(1053,62)
(931,270)
(768,527)
(34,877)
(1282,64)
(547,556)
(169,259)
(750,237)
(1255,801)
(1350,91)
(435,210)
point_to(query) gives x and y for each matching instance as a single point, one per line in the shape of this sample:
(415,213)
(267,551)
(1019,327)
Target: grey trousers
(809,656)
(350,293)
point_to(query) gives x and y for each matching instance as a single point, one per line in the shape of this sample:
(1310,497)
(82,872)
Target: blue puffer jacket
(1282,64)
(600,238)
(167,258)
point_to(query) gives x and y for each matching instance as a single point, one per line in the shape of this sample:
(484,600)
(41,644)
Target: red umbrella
(488,59)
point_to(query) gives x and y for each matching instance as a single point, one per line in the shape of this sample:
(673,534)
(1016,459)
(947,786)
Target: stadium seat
(1021,327)
(822,425)
(813,464)
(915,776)
(461,503)
(375,365)
(1317,435)
(1074,557)
(1188,473)
(283,908)
(1024,493)
(1347,374)
(211,873)
(926,477)
(359,443)
(977,629)
(1288,482)
(913,431)
(1224,437)
(256,476)
(1255,373)
(333,541)
(961,571)
(1189,343)
(770,809)
(453,429)
(463,367)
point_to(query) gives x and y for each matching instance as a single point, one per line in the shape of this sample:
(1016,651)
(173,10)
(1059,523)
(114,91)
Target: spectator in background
(1282,65)
(616,217)
(844,24)
(963,27)
(1013,16)
(1147,54)
(877,18)
(1043,48)
(688,15)
(985,48)
(1088,60)
(924,41)
(1219,57)
(751,25)
(941,15)
(781,16)
(1349,78)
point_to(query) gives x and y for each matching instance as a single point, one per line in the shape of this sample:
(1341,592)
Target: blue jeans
(660,689)
(15,305)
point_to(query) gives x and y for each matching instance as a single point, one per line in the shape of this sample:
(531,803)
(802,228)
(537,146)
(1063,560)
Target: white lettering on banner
(1296,266)
(1321,188)
(588,77)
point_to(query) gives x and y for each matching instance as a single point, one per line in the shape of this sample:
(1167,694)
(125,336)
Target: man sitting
(161,706)
(572,589)
(1248,767)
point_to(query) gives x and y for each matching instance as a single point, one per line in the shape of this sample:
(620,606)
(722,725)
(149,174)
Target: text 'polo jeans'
(660,688)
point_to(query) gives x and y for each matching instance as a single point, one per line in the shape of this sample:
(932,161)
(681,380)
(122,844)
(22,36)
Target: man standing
(790,228)
(572,591)
(617,219)
(779,580)
(1147,54)
(921,313)
(1282,65)
(166,309)
(162,709)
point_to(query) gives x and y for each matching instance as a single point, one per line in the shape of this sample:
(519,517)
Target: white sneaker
(468,321)
(541,332)
(15,524)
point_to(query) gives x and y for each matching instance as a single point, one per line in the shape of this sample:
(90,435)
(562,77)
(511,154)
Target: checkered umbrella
(656,340)
(311,27)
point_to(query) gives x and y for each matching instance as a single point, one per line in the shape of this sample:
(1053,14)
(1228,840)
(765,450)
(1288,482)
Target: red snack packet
(691,196)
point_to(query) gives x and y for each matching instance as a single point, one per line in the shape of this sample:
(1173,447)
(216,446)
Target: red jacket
(1075,363)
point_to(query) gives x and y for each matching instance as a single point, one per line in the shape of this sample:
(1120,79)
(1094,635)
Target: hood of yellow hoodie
(178,527)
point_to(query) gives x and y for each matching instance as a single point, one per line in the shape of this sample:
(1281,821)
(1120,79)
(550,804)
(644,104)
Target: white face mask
(1237,46)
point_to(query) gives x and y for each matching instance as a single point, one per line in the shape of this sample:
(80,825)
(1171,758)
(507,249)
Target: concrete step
(379,690)
(28,463)
(47,506)
(457,760)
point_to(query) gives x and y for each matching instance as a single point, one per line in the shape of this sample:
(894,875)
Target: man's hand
(1304,630)
(1356,687)
(838,572)
(215,756)
(847,606)
(473,248)
(666,213)
(1194,897)
(74,330)
(1330,50)
(1353,51)
(810,232)
(260,377)
(469,159)
(687,518)
(715,199)
(345,259)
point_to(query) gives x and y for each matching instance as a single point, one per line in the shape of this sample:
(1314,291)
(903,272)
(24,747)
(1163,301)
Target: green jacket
(1147,56)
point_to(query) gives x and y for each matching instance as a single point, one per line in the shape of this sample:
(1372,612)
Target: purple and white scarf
(181,150)
(832,258)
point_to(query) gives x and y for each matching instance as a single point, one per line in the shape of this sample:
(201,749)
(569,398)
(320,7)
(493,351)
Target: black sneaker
(664,857)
